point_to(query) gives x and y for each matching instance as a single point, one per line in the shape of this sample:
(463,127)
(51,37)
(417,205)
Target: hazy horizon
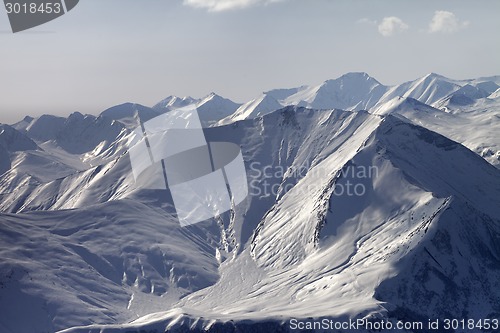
(109,52)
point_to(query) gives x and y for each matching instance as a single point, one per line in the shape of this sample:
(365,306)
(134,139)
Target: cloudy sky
(106,52)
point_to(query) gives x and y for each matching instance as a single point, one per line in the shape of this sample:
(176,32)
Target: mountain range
(365,201)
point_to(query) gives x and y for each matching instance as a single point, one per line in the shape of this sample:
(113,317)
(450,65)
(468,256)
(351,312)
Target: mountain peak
(433,75)
(28,119)
(357,75)
(174,102)
(75,116)
(212,96)
(213,108)
(352,91)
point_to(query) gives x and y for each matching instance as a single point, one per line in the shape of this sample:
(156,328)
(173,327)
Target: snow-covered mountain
(359,91)
(351,214)
(213,108)
(353,91)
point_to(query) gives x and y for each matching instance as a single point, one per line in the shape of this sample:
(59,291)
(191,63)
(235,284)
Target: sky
(108,52)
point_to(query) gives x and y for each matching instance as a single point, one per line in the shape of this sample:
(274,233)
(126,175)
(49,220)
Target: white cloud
(221,5)
(446,22)
(391,25)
